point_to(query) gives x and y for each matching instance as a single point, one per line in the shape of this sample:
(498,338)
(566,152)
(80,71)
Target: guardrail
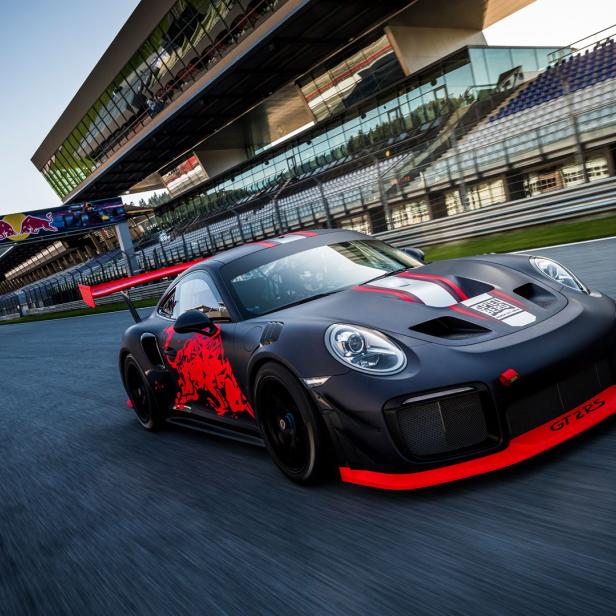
(10,317)
(585,200)
(138,293)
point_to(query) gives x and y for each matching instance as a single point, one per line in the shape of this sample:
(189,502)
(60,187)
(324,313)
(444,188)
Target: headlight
(559,273)
(364,349)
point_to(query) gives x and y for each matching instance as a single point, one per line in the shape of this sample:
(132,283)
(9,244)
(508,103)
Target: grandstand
(394,139)
(577,72)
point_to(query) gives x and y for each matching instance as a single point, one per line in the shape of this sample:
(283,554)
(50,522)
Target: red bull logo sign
(66,219)
(18,227)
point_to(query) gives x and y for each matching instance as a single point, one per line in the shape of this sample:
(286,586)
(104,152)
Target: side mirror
(416,253)
(194,321)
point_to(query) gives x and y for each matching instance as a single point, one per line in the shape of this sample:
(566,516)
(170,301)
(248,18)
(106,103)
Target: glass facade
(557,177)
(411,107)
(192,37)
(490,62)
(413,212)
(477,196)
(185,175)
(341,83)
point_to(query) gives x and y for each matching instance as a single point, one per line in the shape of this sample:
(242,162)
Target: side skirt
(216,430)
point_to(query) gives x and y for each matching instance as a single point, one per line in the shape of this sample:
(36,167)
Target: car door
(205,384)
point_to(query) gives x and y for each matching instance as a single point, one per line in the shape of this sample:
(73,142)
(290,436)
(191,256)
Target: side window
(167,307)
(198,293)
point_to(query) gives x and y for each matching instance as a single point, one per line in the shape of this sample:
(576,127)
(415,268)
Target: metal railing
(583,44)
(579,201)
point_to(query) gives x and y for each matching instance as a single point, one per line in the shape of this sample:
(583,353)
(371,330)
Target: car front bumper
(523,447)
(567,373)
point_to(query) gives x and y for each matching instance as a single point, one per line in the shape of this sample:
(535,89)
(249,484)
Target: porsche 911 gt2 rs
(345,355)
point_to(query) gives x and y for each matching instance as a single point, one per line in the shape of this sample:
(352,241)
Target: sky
(50,47)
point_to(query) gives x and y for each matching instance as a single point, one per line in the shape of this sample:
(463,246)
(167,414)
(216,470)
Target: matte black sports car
(344,354)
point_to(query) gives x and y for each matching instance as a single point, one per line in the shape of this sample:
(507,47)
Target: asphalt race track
(99,517)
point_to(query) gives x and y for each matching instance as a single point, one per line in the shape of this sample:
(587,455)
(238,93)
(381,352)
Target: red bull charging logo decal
(203,370)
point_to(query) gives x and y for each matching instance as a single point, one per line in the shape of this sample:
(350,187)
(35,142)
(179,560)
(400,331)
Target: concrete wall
(219,161)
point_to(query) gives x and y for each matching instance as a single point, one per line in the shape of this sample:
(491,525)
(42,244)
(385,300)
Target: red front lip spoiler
(521,448)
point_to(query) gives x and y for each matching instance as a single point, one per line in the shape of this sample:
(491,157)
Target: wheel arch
(124,353)
(260,361)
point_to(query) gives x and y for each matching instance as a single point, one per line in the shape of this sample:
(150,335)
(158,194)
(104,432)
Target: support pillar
(22,303)
(127,247)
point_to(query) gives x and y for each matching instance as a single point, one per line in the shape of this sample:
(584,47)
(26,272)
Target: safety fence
(149,291)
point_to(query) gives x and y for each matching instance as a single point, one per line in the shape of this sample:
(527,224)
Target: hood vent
(535,294)
(473,287)
(450,328)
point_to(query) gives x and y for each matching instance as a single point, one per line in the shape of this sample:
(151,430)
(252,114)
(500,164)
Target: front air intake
(541,399)
(444,424)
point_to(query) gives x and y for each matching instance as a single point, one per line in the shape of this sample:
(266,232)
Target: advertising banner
(62,220)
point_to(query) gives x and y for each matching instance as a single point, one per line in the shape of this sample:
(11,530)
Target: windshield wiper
(303,300)
(392,273)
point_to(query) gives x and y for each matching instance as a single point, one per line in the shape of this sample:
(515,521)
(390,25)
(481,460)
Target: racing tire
(141,396)
(294,434)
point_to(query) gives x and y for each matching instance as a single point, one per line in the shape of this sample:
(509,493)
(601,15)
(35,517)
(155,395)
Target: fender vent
(271,333)
(149,344)
(450,328)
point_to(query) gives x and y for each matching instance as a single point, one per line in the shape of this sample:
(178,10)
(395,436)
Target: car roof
(295,241)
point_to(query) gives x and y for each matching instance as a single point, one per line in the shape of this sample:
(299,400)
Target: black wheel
(294,434)
(141,396)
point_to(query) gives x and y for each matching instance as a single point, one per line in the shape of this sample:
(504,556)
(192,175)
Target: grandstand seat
(577,71)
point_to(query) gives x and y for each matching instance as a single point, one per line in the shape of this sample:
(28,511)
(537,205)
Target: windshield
(313,273)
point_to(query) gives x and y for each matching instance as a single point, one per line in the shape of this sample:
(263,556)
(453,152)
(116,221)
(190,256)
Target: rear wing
(91,293)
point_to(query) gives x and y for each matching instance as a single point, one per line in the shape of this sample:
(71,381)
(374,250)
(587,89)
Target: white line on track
(600,239)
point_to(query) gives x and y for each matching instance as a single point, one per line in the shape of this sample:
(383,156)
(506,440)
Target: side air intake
(450,328)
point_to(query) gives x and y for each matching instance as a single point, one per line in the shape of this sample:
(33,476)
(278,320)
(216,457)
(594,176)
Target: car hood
(453,302)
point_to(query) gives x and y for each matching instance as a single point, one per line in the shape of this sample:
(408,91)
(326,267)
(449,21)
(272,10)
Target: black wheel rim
(285,429)
(137,390)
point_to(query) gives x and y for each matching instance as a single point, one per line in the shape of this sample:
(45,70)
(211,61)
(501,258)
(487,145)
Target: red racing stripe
(454,287)
(268,244)
(521,448)
(405,295)
(469,313)
(517,302)
(305,233)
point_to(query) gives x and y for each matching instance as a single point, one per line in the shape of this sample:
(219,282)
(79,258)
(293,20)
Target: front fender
(299,347)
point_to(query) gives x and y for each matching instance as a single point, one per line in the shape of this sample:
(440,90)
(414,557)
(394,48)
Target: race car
(346,356)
